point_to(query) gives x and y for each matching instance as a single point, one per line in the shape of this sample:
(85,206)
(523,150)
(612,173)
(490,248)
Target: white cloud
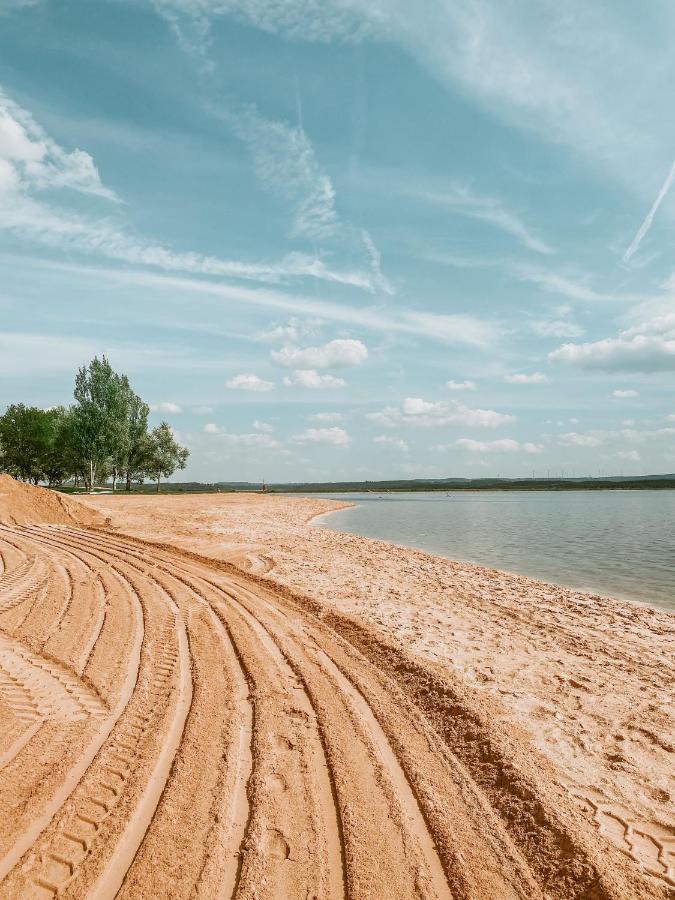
(451,329)
(264,427)
(631,455)
(326,417)
(202,410)
(310,378)
(573,439)
(165,407)
(505,445)
(32,160)
(625,394)
(333,355)
(564,285)
(286,165)
(212,428)
(249,382)
(521,378)
(461,385)
(336,436)
(463,200)
(646,347)
(424,413)
(396,442)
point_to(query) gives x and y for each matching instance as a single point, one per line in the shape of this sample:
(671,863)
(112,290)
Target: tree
(99,425)
(28,437)
(165,454)
(138,445)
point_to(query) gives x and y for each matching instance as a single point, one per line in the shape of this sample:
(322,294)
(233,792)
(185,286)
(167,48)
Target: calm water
(620,543)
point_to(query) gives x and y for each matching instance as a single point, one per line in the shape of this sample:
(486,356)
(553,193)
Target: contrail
(649,218)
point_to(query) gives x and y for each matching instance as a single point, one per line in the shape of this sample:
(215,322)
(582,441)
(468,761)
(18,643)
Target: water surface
(620,543)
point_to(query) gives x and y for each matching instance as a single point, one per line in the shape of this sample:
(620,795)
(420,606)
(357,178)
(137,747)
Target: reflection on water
(620,543)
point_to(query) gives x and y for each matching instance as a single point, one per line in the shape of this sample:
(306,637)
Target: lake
(620,543)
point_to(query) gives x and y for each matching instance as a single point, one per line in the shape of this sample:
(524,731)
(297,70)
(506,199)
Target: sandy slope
(173,726)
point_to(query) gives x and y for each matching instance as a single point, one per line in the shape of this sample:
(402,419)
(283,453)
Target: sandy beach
(377,722)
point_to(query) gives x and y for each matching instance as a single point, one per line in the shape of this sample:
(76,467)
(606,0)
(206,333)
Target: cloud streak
(649,218)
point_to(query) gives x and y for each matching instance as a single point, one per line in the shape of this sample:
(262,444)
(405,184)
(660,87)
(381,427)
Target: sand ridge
(214,730)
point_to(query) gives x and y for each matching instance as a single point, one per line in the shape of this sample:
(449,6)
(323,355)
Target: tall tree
(138,444)
(165,453)
(100,418)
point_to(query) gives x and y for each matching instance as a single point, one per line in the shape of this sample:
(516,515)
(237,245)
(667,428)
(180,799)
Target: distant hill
(609,482)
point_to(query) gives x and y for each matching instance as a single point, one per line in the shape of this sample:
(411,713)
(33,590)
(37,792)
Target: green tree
(165,454)
(138,444)
(28,437)
(99,425)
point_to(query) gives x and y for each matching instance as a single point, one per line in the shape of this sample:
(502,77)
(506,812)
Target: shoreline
(314,521)
(586,680)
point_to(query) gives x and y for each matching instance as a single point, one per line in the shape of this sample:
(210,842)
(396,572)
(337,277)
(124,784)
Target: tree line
(103,436)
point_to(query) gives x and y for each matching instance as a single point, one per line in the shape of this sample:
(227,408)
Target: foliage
(104,433)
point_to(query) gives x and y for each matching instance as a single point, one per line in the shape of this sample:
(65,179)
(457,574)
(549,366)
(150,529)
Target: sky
(348,239)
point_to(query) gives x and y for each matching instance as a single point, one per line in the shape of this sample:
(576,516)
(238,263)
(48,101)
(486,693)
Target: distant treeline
(103,435)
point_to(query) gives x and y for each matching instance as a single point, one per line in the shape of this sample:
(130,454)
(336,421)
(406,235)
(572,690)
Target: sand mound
(23,504)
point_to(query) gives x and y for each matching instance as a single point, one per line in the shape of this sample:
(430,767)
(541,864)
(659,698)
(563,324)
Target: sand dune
(194,702)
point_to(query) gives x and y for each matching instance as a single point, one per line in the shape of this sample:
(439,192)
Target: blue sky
(348,239)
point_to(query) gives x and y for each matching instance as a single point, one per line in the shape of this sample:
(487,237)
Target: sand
(209,697)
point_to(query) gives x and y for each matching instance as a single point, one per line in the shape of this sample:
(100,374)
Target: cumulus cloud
(333,355)
(310,378)
(425,413)
(336,436)
(396,442)
(202,410)
(263,427)
(249,382)
(505,445)
(625,394)
(630,455)
(326,417)
(522,378)
(461,385)
(165,407)
(645,347)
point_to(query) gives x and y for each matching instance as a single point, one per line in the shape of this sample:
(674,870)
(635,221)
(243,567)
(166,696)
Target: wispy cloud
(456,330)
(286,165)
(31,161)
(649,218)
(462,200)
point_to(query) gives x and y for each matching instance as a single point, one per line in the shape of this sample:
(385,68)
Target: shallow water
(620,543)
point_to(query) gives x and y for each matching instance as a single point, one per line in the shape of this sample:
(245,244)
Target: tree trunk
(128,484)
(91,475)
(114,478)
(158,478)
